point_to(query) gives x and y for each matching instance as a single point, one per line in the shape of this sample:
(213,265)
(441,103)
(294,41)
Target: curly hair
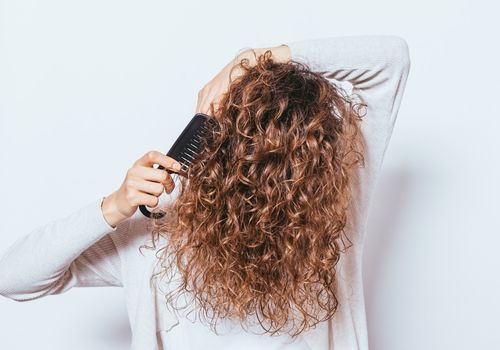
(259,223)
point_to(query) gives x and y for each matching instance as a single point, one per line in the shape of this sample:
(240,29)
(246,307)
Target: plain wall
(87,87)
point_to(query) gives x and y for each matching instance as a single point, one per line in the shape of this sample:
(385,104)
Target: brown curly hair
(258,226)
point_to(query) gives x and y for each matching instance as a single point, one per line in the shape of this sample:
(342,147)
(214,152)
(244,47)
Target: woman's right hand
(142,185)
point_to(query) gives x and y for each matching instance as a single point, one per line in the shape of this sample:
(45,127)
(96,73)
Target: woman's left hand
(212,92)
(210,95)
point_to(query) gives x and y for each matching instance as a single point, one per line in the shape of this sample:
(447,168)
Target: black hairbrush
(184,150)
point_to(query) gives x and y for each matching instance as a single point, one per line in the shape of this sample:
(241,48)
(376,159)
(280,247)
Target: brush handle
(144,210)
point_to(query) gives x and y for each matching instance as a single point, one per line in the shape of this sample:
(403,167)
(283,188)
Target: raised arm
(74,251)
(377,66)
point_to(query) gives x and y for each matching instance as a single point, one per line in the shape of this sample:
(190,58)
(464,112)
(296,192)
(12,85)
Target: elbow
(15,295)
(20,296)
(12,289)
(10,284)
(16,288)
(21,285)
(401,52)
(15,298)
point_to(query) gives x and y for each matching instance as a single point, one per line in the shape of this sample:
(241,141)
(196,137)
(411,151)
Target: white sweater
(82,250)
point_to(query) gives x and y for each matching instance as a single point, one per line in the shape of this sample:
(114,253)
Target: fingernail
(177,166)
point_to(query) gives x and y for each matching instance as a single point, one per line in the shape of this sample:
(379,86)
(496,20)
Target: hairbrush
(184,150)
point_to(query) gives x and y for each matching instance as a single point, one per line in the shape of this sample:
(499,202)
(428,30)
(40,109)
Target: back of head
(259,223)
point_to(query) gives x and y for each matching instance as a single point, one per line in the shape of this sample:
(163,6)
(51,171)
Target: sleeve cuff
(102,220)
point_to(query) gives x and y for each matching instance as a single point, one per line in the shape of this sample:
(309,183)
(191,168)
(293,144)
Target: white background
(87,87)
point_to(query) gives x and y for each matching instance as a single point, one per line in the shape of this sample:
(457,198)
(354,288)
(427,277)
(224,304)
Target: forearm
(366,61)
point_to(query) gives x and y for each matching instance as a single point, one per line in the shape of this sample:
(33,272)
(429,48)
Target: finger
(207,107)
(169,187)
(204,99)
(214,106)
(147,199)
(202,106)
(149,187)
(198,105)
(151,174)
(212,102)
(155,157)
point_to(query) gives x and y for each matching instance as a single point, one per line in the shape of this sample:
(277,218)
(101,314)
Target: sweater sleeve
(377,68)
(74,251)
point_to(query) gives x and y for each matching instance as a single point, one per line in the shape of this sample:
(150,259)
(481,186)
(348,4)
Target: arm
(79,250)
(377,66)
(74,251)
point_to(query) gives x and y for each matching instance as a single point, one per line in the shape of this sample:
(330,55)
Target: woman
(252,253)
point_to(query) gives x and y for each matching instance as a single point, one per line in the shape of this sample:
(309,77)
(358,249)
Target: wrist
(110,211)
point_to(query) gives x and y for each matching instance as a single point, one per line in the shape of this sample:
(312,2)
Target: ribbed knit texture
(82,250)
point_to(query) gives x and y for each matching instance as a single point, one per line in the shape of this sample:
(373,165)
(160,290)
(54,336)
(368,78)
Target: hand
(143,185)
(210,95)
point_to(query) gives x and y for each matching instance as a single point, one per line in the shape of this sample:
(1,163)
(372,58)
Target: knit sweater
(83,250)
